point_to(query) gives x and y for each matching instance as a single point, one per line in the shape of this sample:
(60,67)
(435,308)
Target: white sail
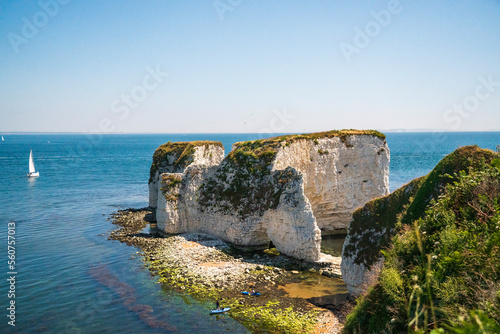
(2,138)
(32,163)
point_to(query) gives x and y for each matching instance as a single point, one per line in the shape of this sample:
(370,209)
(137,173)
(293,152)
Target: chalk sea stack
(288,190)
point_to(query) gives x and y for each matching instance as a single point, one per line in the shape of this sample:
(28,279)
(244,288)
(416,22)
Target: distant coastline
(235,133)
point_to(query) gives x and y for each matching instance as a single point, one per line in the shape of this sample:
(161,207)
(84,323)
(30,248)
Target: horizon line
(233,133)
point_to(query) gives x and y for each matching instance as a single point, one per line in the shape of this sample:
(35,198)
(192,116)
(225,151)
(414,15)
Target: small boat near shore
(32,171)
(220,310)
(250,293)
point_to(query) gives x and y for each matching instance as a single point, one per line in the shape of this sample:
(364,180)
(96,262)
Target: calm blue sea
(70,278)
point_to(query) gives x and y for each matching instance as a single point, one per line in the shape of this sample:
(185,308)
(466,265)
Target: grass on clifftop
(442,270)
(287,139)
(265,149)
(181,151)
(459,160)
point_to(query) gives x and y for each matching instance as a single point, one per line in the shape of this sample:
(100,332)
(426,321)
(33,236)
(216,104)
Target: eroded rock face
(340,175)
(285,190)
(175,157)
(292,226)
(359,276)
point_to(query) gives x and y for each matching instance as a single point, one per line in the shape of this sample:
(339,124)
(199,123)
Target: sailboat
(32,172)
(3,139)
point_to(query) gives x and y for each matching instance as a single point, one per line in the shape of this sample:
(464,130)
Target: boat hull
(220,310)
(35,174)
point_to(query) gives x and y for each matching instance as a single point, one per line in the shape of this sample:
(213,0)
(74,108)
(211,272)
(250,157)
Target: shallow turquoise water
(70,278)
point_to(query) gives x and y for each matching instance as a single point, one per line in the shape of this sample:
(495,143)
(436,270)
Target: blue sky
(248,66)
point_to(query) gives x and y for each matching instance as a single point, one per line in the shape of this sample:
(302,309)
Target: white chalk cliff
(286,190)
(175,157)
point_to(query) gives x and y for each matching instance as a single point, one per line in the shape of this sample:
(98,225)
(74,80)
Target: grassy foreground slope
(442,264)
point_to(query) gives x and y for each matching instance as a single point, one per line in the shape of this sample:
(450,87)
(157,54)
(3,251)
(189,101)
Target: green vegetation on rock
(168,184)
(442,266)
(251,191)
(177,155)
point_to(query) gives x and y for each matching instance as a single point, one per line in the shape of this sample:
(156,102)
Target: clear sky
(249,65)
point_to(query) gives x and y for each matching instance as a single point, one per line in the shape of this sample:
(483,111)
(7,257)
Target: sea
(65,276)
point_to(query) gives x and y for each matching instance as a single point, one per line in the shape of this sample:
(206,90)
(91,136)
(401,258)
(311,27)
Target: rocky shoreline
(210,269)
